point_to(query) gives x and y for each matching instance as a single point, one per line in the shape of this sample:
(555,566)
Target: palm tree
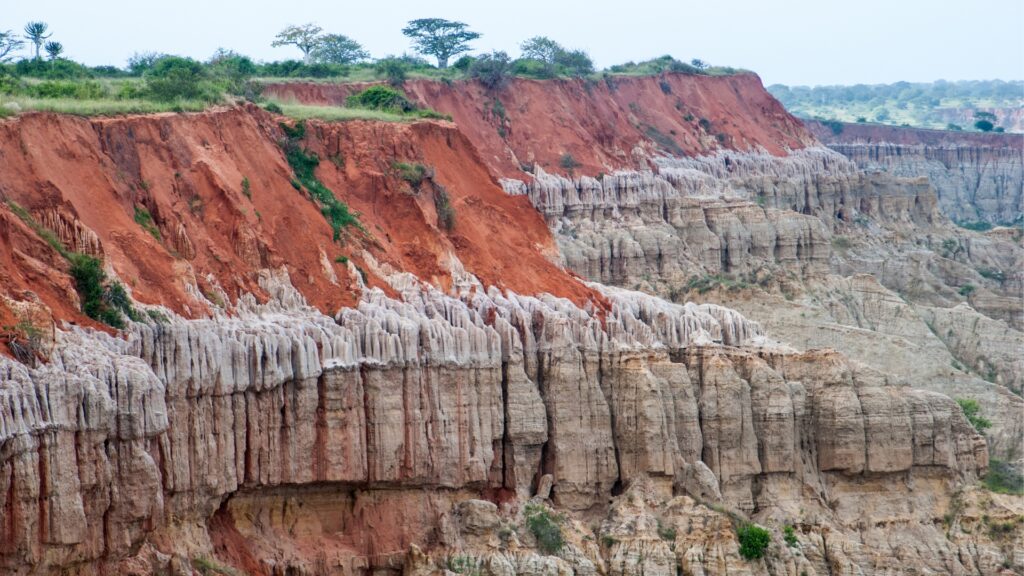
(35,32)
(54,50)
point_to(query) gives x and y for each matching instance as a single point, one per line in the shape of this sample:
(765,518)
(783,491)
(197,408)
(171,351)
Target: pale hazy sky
(792,42)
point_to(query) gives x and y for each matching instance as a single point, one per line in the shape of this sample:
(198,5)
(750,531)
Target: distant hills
(941,104)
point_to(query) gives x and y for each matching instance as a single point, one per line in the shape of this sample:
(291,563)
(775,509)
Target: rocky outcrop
(977,177)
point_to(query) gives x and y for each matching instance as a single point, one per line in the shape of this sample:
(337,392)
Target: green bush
(967,290)
(1002,478)
(145,219)
(545,528)
(79,90)
(754,541)
(445,211)
(273,108)
(568,162)
(972,411)
(381,98)
(174,78)
(414,173)
(492,70)
(977,226)
(394,70)
(789,535)
(102,301)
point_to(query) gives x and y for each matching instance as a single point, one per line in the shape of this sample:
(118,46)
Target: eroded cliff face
(407,398)
(977,177)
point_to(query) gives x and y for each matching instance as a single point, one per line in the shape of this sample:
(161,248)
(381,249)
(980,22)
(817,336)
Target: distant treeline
(924,104)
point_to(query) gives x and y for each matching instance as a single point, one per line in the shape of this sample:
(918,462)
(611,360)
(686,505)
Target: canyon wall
(404,396)
(977,177)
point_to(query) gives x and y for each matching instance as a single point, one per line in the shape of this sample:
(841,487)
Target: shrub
(1002,478)
(984,125)
(972,411)
(666,88)
(445,211)
(993,274)
(246,187)
(568,162)
(789,535)
(666,532)
(754,541)
(172,78)
(492,70)
(967,290)
(145,219)
(79,90)
(413,173)
(107,303)
(977,226)
(381,98)
(393,70)
(545,528)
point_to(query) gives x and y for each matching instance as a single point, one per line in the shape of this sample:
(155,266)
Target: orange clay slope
(222,204)
(612,123)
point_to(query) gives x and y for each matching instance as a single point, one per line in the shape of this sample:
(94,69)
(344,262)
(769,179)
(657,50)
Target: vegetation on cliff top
(152,82)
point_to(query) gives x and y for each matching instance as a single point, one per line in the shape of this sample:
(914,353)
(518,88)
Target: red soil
(81,177)
(600,123)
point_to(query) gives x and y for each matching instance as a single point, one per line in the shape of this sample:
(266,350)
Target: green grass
(340,114)
(11,105)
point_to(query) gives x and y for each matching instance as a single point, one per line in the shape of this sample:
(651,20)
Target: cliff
(404,396)
(978,177)
(615,123)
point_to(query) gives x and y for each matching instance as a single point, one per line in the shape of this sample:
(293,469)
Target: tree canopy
(440,38)
(304,37)
(35,32)
(338,49)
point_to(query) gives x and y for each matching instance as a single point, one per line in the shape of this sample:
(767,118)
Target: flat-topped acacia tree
(440,38)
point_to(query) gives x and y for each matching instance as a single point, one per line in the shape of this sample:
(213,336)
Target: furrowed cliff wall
(408,397)
(977,177)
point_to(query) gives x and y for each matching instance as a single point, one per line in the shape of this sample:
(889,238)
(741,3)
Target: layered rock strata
(977,177)
(115,441)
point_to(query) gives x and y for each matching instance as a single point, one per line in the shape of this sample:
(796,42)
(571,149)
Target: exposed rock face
(620,122)
(693,226)
(419,394)
(414,399)
(977,177)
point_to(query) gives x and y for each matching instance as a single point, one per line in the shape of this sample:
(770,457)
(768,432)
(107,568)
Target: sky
(796,42)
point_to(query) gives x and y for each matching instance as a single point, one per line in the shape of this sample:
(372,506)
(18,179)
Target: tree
(439,38)
(338,49)
(35,32)
(492,70)
(984,125)
(576,62)
(9,43)
(541,48)
(141,62)
(699,64)
(54,50)
(174,77)
(305,38)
